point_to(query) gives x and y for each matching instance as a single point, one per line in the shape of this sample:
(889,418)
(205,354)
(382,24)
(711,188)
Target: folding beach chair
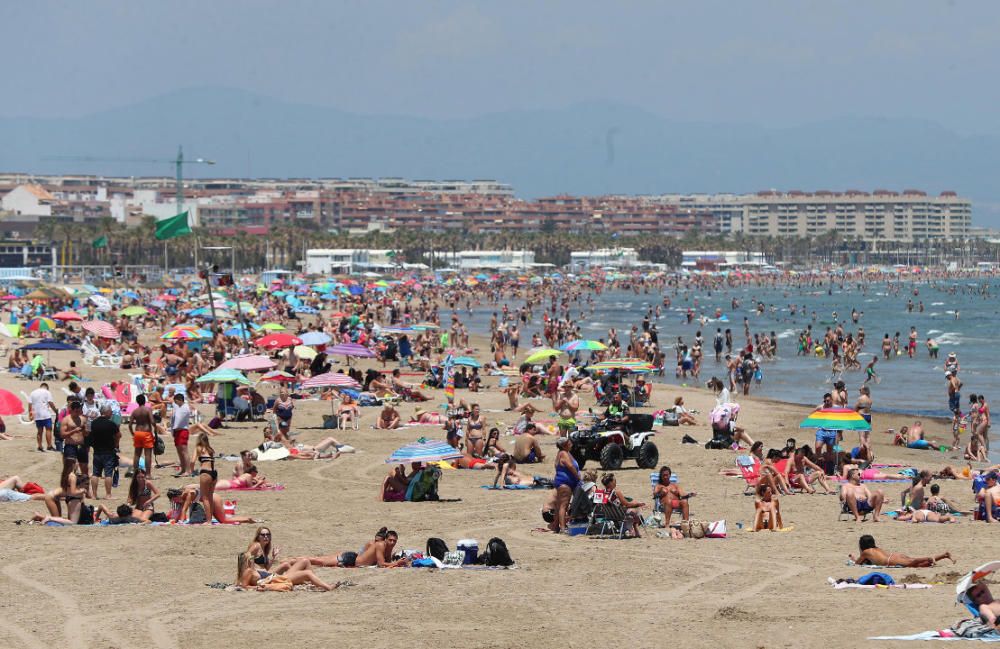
(845,511)
(750,470)
(606,520)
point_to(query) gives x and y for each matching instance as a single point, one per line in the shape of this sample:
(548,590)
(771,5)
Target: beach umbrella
(422,326)
(330,379)
(224,376)
(468,361)
(41,324)
(312,338)
(541,354)
(307,353)
(132,311)
(248,363)
(424,450)
(351,349)
(50,345)
(272,326)
(102,329)
(277,376)
(238,330)
(584,345)
(10,330)
(398,330)
(836,419)
(182,334)
(100,302)
(308,310)
(10,404)
(622,364)
(277,341)
(970,579)
(67,316)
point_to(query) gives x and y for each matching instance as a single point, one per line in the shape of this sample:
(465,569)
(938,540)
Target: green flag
(99,242)
(173,227)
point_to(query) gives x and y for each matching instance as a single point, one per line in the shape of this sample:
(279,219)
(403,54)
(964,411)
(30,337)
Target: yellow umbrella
(305,352)
(542,354)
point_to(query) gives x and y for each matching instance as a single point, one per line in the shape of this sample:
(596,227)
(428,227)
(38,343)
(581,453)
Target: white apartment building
(329,261)
(605,257)
(881,215)
(471,260)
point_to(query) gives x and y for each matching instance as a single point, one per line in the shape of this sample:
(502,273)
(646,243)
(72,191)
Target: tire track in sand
(75,627)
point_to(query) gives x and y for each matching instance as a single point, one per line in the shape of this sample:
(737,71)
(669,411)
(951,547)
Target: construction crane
(178,163)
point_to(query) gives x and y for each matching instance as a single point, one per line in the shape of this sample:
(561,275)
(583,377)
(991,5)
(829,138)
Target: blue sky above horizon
(767,62)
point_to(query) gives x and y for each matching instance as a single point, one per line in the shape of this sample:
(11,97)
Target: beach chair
(846,513)
(749,467)
(607,520)
(654,479)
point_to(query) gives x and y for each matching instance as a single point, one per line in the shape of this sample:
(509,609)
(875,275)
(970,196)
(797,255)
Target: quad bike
(611,445)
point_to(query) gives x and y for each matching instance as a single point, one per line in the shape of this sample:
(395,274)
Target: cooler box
(471,549)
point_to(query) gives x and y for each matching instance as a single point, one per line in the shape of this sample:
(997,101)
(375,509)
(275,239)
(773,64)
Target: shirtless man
(375,553)
(73,430)
(915,492)
(140,426)
(872,555)
(982,599)
(527,450)
(566,403)
(954,394)
(388,418)
(860,500)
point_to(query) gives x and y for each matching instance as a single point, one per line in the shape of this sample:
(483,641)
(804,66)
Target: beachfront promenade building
(881,215)
(603,258)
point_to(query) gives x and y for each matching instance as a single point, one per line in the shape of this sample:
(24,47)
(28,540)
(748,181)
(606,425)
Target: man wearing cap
(954,393)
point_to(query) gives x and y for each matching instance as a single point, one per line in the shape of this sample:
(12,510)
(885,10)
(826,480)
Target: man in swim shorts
(859,499)
(140,425)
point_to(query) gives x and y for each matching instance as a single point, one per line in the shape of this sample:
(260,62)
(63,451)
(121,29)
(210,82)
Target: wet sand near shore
(134,586)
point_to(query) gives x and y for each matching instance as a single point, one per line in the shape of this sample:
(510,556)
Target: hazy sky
(768,62)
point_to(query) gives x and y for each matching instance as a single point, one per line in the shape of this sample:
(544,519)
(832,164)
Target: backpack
(496,554)
(196,514)
(436,548)
(86,515)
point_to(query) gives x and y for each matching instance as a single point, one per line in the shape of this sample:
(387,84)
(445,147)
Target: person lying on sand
(375,553)
(924,516)
(507,471)
(872,555)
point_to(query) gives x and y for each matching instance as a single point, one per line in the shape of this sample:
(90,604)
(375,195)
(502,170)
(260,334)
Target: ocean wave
(950,338)
(931,332)
(937,303)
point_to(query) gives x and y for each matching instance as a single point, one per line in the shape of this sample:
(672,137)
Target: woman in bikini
(207,475)
(348,413)
(250,574)
(474,425)
(141,494)
(671,497)
(872,555)
(766,505)
(493,447)
(616,497)
(508,473)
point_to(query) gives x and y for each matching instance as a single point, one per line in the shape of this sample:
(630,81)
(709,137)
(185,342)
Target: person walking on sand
(140,426)
(180,423)
(42,410)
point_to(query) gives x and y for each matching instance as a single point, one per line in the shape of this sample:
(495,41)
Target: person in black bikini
(207,475)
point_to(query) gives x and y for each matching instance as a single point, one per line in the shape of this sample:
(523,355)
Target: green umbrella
(131,311)
(541,354)
(224,376)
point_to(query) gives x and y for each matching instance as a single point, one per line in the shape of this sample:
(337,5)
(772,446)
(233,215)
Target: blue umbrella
(356,290)
(423,450)
(468,361)
(312,338)
(328,296)
(306,309)
(238,330)
(50,345)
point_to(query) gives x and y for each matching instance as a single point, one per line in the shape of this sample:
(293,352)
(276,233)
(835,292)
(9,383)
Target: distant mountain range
(582,149)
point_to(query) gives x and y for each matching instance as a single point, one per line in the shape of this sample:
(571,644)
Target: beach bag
(159,447)
(876,579)
(670,418)
(196,514)
(436,548)
(496,554)
(693,529)
(455,558)
(716,530)
(974,628)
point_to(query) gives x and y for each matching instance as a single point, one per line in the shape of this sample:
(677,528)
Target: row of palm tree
(285,245)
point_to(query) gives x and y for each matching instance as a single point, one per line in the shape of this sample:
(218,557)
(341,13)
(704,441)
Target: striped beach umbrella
(584,345)
(41,324)
(424,450)
(330,380)
(223,376)
(836,419)
(248,363)
(101,329)
(351,349)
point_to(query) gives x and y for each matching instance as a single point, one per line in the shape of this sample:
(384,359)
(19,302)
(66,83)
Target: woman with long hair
(141,494)
(207,475)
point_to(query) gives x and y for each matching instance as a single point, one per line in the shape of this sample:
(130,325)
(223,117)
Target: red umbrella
(66,316)
(276,341)
(10,404)
(102,329)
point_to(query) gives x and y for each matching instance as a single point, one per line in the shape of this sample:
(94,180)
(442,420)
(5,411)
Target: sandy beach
(110,586)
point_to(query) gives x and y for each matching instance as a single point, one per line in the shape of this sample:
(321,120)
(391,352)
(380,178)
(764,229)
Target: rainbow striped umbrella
(330,379)
(836,419)
(634,365)
(182,334)
(40,324)
(584,345)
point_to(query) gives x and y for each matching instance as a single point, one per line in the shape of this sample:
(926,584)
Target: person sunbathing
(421,416)
(508,473)
(527,450)
(859,499)
(616,497)
(774,470)
(766,505)
(388,418)
(395,485)
(248,576)
(982,600)
(348,413)
(12,491)
(327,449)
(671,497)
(872,555)
(375,553)
(865,474)
(939,503)
(684,416)
(802,471)
(248,480)
(924,516)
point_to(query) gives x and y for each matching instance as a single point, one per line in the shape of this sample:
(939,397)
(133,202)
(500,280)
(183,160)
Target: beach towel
(841,585)
(515,487)
(270,487)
